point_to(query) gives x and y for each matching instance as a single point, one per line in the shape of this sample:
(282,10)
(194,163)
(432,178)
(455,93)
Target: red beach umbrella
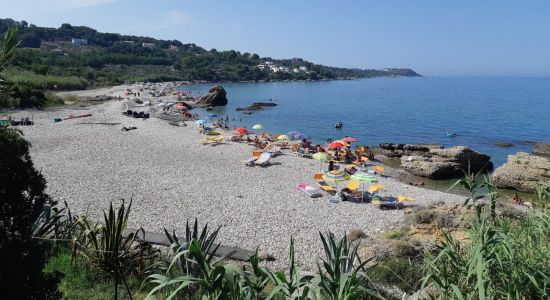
(349,139)
(241,130)
(335,145)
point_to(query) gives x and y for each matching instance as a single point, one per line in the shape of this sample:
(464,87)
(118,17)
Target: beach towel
(309,190)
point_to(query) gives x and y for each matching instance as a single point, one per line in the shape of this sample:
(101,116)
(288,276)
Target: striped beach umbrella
(336,175)
(363,177)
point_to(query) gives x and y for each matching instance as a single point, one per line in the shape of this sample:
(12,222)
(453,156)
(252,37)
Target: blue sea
(481,111)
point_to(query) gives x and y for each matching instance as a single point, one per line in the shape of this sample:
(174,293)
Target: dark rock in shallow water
(504,144)
(216,97)
(256,106)
(521,172)
(542,149)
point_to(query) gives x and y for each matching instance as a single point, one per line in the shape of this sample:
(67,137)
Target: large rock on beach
(256,106)
(216,97)
(541,149)
(444,163)
(521,172)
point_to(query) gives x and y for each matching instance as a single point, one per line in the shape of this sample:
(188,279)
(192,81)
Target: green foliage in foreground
(78,282)
(22,202)
(503,258)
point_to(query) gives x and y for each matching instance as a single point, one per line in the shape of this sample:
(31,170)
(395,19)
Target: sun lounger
(251,161)
(309,190)
(326,187)
(263,159)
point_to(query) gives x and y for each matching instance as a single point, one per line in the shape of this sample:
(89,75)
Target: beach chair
(353,185)
(263,159)
(251,161)
(378,169)
(326,187)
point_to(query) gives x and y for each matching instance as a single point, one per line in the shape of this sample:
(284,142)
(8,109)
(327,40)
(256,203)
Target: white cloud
(177,17)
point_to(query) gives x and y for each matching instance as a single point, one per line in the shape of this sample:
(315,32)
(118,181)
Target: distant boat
(338,125)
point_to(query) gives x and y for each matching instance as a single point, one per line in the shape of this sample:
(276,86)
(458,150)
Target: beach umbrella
(336,175)
(258,126)
(295,132)
(200,122)
(341,142)
(301,136)
(349,139)
(241,130)
(283,137)
(321,157)
(212,116)
(336,144)
(363,177)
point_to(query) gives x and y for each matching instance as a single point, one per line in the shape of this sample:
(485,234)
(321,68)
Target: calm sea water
(482,111)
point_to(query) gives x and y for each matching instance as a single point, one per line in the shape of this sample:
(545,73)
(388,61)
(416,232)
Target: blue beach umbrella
(212,116)
(301,136)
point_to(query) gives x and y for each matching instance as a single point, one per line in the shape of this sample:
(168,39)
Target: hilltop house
(148,45)
(79,42)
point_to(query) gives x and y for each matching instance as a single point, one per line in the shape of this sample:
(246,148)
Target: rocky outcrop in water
(216,97)
(256,106)
(521,172)
(542,149)
(434,161)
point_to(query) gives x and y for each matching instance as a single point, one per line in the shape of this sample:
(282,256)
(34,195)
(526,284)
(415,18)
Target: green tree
(22,200)
(7,51)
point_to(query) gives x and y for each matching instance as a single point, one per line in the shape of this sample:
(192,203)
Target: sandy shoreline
(172,178)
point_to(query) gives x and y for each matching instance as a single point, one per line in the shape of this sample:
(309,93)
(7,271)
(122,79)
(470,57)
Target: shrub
(404,273)
(22,201)
(396,233)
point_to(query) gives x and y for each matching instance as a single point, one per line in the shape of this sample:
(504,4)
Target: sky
(433,37)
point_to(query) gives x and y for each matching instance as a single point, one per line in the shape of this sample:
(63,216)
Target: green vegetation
(22,203)
(47,59)
(48,253)
(396,233)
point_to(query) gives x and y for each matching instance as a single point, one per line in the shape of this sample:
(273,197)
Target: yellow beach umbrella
(321,157)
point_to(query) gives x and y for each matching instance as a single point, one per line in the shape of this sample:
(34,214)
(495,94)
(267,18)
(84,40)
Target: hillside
(71,57)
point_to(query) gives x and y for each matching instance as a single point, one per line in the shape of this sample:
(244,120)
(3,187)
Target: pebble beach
(171,178)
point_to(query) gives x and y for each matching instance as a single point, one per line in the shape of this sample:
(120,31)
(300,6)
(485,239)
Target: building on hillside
(129,42)
(79,42)
(148,45)
(303,68)
(174,48)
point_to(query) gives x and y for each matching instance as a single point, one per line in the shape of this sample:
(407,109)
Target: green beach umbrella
(363,177)
(321,157)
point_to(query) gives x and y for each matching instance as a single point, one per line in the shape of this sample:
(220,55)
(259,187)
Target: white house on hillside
(76,41)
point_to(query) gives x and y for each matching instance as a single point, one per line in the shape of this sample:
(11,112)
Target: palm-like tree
(7,51)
